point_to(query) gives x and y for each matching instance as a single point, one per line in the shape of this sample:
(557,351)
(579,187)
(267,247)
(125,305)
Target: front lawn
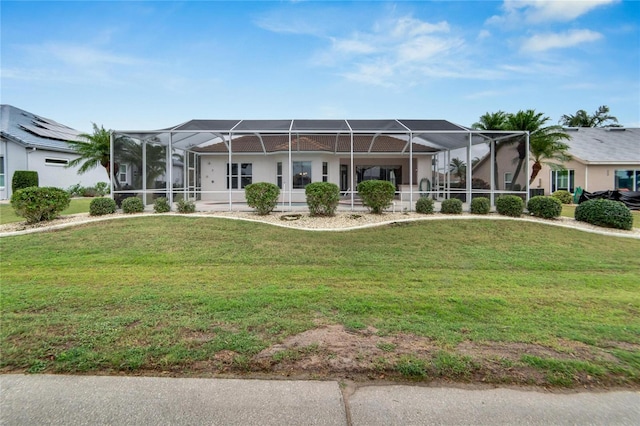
(473,300)
(77,205)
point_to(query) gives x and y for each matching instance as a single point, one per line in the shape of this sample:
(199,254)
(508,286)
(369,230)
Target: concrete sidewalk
(101,400)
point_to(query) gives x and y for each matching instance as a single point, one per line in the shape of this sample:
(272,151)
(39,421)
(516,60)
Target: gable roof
(31,130)
(598,145)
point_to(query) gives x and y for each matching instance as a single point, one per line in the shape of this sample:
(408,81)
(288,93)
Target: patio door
(344,178)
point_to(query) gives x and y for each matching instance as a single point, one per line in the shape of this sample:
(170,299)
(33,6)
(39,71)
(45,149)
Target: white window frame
(507,183)
(571,180)
(2,174)
(122,173)
(238,176)
(325,171)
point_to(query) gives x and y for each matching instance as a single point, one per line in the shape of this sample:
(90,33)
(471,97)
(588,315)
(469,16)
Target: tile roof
(30,129)
(315,143)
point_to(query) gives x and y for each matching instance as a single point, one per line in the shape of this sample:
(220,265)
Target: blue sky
(149,65)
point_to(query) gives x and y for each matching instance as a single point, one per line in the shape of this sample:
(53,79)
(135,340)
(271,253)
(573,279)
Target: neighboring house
(31,142)
(603,159)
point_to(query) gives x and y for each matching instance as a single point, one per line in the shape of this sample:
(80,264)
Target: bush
(101,206)
(39,204)
(451,206)
(161,205)
(132,205)
(564,196)
(510,205)
(545,207)
(102,188)
(424,205)
(480,205)
(23,179)
(262,196)
(606,213)
(322,198)
(76,190)
(376,194)
(185,206)
(89,191)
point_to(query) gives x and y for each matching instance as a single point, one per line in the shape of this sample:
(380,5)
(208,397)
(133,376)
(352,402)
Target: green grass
(77,205)
(167,293)
(570,211)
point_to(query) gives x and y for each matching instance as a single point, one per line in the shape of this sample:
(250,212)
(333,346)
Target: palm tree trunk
(535,169)
(514,179)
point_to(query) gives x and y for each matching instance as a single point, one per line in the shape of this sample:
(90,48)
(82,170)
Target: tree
(581,118)
(492,121)
(458,168)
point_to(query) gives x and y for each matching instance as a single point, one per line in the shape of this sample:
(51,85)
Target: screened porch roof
(441,135)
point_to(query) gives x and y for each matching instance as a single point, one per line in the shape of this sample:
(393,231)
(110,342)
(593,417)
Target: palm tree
(492,121)
(93,152)
(582,119)
(545,142)
(131,152)
(458,168)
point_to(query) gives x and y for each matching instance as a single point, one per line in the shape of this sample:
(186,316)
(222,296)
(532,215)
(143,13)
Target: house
(31,142)
(219,158)
(602,159)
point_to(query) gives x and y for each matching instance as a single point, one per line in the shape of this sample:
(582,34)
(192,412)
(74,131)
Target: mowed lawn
(136,294)
(77,205)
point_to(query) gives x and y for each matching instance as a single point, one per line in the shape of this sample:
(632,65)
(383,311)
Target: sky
(147,65)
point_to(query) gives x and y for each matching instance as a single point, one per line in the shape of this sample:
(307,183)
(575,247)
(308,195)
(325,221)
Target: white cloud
(542,42)
(541,11)
(484,34)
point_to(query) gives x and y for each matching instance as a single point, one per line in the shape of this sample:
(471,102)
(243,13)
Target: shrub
(564,196)
(424,205)
(38,204)
(101,206)
(262,196)
(322,198)
(161,205)
(89,191)
(132,205)
(510,205)
(185,206)
(545,207)
(102,188)
(451,206)
(376,194)
(23,179)
(606,213)
(76,190)
(480,205)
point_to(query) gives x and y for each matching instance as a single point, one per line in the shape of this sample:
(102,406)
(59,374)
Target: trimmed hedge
(377,195)
(101,206)
(545,207)
(424,205)
(605,213)
(132,205)
(161,205)
(510,205)
(564,196)
(185,206)
(23,179)
(262,196)
(480,205)
(451,206)
(39,204)
(322,198)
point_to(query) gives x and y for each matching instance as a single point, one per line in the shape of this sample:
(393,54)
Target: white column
(528,171)
(492,152)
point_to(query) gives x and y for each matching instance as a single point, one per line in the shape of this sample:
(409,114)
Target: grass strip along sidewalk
(490,301)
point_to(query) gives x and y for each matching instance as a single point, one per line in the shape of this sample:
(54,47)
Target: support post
(528,171)
(469,171)
(169,170)
(492,179)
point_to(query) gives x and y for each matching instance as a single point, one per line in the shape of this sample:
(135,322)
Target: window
(279,174)
(508,178)
(56,161)
(562,179)
(301,174)
(241,173)
(122,173)
(325,171)
(627,179)
(1,171)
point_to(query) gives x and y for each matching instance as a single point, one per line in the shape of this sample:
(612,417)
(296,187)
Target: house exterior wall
(591,177)
(505,157)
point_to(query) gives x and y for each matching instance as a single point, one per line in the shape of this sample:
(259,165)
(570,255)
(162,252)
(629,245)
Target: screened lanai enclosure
(212,161)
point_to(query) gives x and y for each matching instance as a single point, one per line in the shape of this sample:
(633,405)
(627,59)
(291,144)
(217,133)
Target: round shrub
(161,205)
(322,198)
(451,206)
(102,188)
(376,194)
(564,196)
(510,205)
(132,205)
(424,205)
(480,205)
(101,206)
(185,206)
(606,213)
(544,207)
(262,196)
(23,179)
(39,204)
